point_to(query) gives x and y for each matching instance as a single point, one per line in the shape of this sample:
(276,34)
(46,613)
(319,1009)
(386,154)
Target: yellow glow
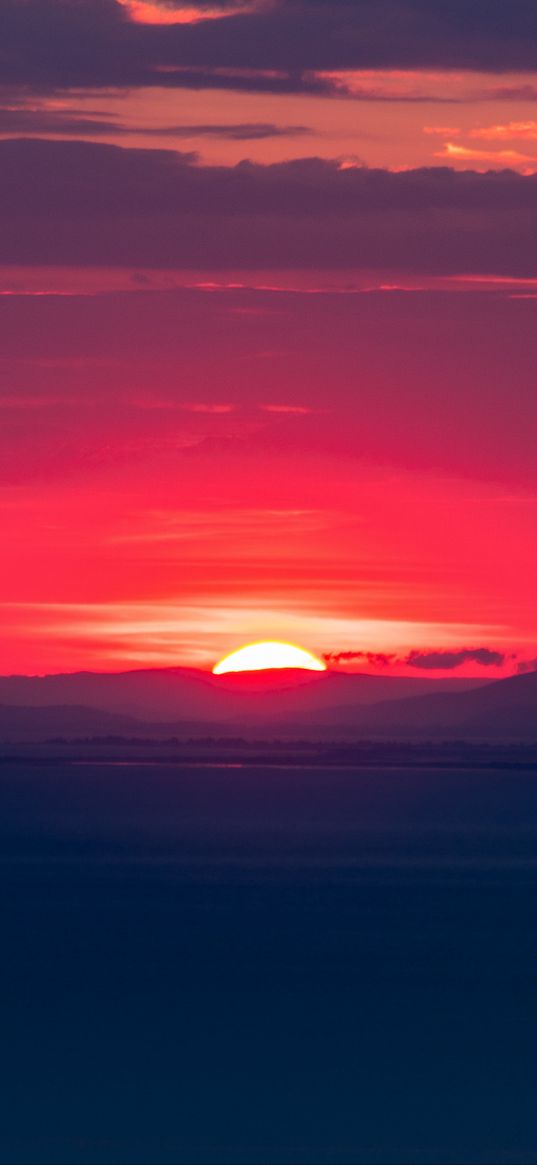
(262,656)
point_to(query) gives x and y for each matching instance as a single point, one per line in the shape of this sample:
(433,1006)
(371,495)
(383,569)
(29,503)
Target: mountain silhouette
(172,694)
(503,710)
(183,702)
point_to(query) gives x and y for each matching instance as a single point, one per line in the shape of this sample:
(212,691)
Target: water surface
(268,964)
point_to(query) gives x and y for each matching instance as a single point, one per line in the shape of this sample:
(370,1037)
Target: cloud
(240,132)
(526,665)
(446,660)
(454,152)
(525,92)
(89,204)
(290,409)
(525,131)
(247,80)
(36,121)
(371,658)
(170,12)
(47,121)
(501,135)
(427,660)
(210,407)
(449,131)
(92,43)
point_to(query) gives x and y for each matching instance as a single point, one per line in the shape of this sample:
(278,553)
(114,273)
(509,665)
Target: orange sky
(397,119)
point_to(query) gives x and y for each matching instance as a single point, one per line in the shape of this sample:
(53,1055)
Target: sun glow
(264,656)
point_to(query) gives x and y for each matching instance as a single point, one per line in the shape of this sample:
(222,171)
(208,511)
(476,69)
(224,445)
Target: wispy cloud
(444,131)
(161,632)
(454,152)
(438,660)
(37,118)
(289,409)
(210,407)
(511,131)
(166,12)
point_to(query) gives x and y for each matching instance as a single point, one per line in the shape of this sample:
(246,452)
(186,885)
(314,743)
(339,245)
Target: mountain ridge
(501,709)
(177,693)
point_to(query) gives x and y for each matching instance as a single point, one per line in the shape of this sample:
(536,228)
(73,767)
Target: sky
(268,298)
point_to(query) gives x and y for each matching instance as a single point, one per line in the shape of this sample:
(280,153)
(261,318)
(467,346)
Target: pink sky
(267,336)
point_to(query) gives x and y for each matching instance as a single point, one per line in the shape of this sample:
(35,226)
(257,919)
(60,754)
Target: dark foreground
(253,964)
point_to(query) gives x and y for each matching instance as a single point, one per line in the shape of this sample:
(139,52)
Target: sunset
(268,656)
(268,651)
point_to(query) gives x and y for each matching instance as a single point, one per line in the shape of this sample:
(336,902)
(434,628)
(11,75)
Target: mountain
(503,710)
(177,702)
(21,724)
(173,694)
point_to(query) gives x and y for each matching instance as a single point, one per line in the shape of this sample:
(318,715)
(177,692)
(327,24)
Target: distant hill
(173,694)
(19,724)
(503,710)
(75,722)
(162,704)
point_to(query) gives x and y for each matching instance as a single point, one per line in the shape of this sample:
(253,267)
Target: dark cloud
(239,132)
(245,80)
(61,43)
(44,121)
(526,665)
(427,660)
(69,123)
(89,204)
(371,658)
(436,660)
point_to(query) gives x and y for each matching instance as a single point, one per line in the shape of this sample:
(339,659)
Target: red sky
(285,387)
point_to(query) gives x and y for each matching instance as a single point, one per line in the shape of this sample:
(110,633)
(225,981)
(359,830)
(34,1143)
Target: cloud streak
(36,121)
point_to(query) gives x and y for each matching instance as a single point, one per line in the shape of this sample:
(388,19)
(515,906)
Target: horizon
(433,676)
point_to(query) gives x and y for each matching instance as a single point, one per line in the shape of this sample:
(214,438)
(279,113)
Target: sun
(268,655)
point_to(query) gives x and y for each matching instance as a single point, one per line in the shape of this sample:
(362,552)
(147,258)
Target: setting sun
(262,656)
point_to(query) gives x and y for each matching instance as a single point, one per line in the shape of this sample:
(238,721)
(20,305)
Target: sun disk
(265,656)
